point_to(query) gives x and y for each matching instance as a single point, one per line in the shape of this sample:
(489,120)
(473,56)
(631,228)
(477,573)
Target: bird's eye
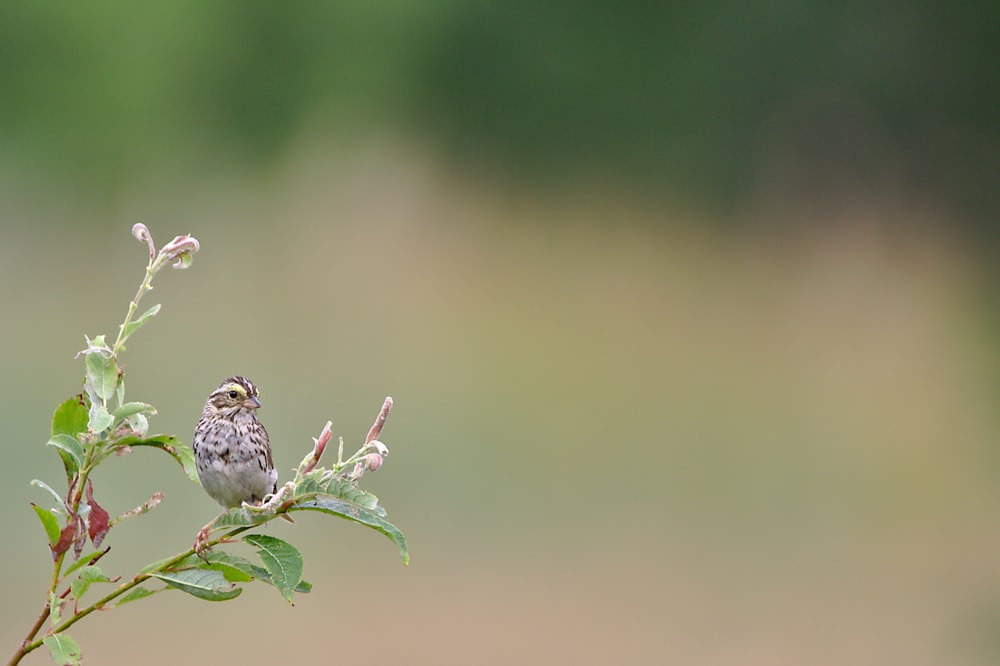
(233,395)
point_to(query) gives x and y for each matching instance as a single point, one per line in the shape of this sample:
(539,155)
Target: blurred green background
(688,311)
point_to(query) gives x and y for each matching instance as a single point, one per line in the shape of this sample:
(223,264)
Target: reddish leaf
(81,538)
(66,537)
(99,520)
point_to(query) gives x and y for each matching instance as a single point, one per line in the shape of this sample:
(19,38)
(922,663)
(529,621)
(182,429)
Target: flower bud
(180,249)
(373,461)
(141,232)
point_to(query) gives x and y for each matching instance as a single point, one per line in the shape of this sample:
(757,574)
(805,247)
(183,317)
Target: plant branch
(31,645)
(86,432)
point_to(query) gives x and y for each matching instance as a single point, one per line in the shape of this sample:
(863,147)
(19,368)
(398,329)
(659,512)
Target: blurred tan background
(690,317)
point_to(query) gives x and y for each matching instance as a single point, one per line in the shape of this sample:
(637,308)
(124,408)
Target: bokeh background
(689,313)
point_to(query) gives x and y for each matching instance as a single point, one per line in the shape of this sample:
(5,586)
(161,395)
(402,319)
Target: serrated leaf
(282,561)
(140,320)
(180,452)
(314,483)
(239,517)
(88,575)
(71,452)
(100,418)
(49,522)
(102,375)
(135,594)
(350,511)
(207,584)
(63,650)
(71,418)
(344,489)
(131,408)
(308,486)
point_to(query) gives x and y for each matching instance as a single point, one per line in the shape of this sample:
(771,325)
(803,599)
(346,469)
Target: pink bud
(141,231)
(180,249)
(373,461)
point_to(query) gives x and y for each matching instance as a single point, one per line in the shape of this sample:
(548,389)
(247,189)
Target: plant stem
(31,634)
(26,645)
(132,307)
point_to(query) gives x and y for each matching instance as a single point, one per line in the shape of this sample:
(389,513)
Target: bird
(231,447)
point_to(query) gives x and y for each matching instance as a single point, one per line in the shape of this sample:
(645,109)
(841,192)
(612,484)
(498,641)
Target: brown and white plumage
(231,447)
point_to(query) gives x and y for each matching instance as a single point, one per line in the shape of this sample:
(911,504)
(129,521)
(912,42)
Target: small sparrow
(231,447)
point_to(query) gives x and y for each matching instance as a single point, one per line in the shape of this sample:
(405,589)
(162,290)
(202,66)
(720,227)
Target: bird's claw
(201,545)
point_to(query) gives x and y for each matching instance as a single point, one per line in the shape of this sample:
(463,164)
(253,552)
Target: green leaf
(140,320)
(235,568)
(207,584)
(131,408)
(49,522)
(349,511)
(240,517)
(261,574)
(135,594)
(71,451)
(70,418)
(64,650)
(281,560)
(314,483)
(182,453)
(344,489)
(100,418)
(88,575)
(102,374)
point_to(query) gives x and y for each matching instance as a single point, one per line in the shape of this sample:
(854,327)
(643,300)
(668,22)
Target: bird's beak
(251,403)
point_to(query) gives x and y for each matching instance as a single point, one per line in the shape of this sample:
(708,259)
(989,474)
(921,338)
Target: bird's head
(234,395)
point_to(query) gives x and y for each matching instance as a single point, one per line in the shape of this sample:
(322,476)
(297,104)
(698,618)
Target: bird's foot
(201,546)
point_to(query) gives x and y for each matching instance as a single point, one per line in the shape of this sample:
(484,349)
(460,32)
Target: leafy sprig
(99,423)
